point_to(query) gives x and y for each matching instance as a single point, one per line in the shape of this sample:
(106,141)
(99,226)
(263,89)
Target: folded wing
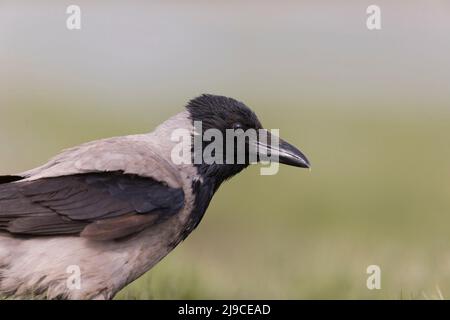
(97,205)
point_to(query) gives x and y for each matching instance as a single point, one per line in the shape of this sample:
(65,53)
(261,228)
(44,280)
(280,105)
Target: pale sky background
(167,51)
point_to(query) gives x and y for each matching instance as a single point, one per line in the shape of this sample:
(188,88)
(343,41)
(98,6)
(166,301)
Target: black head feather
(216,112)
(222,113)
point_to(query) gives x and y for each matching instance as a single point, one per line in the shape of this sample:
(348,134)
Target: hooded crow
(113,208)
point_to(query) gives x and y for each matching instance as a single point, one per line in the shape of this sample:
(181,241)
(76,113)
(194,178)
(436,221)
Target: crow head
(228,136)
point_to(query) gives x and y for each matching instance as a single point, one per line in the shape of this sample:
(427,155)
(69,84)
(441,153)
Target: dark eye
(237,125)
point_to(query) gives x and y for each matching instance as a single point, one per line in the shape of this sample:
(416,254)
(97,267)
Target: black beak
(276,149)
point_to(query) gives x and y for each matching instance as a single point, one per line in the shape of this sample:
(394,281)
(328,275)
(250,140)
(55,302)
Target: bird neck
(210,177)
(215,174)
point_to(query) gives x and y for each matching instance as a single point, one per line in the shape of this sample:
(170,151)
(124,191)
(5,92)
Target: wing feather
(99,206)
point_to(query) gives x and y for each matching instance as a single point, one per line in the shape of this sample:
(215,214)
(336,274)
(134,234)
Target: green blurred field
(377,194)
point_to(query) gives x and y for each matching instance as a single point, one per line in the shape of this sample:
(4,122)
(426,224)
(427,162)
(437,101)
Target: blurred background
(371,109)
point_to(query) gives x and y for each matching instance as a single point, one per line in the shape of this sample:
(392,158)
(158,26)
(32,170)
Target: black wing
(100,206)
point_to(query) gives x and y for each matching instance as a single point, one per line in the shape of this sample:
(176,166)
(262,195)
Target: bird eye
(237,125)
